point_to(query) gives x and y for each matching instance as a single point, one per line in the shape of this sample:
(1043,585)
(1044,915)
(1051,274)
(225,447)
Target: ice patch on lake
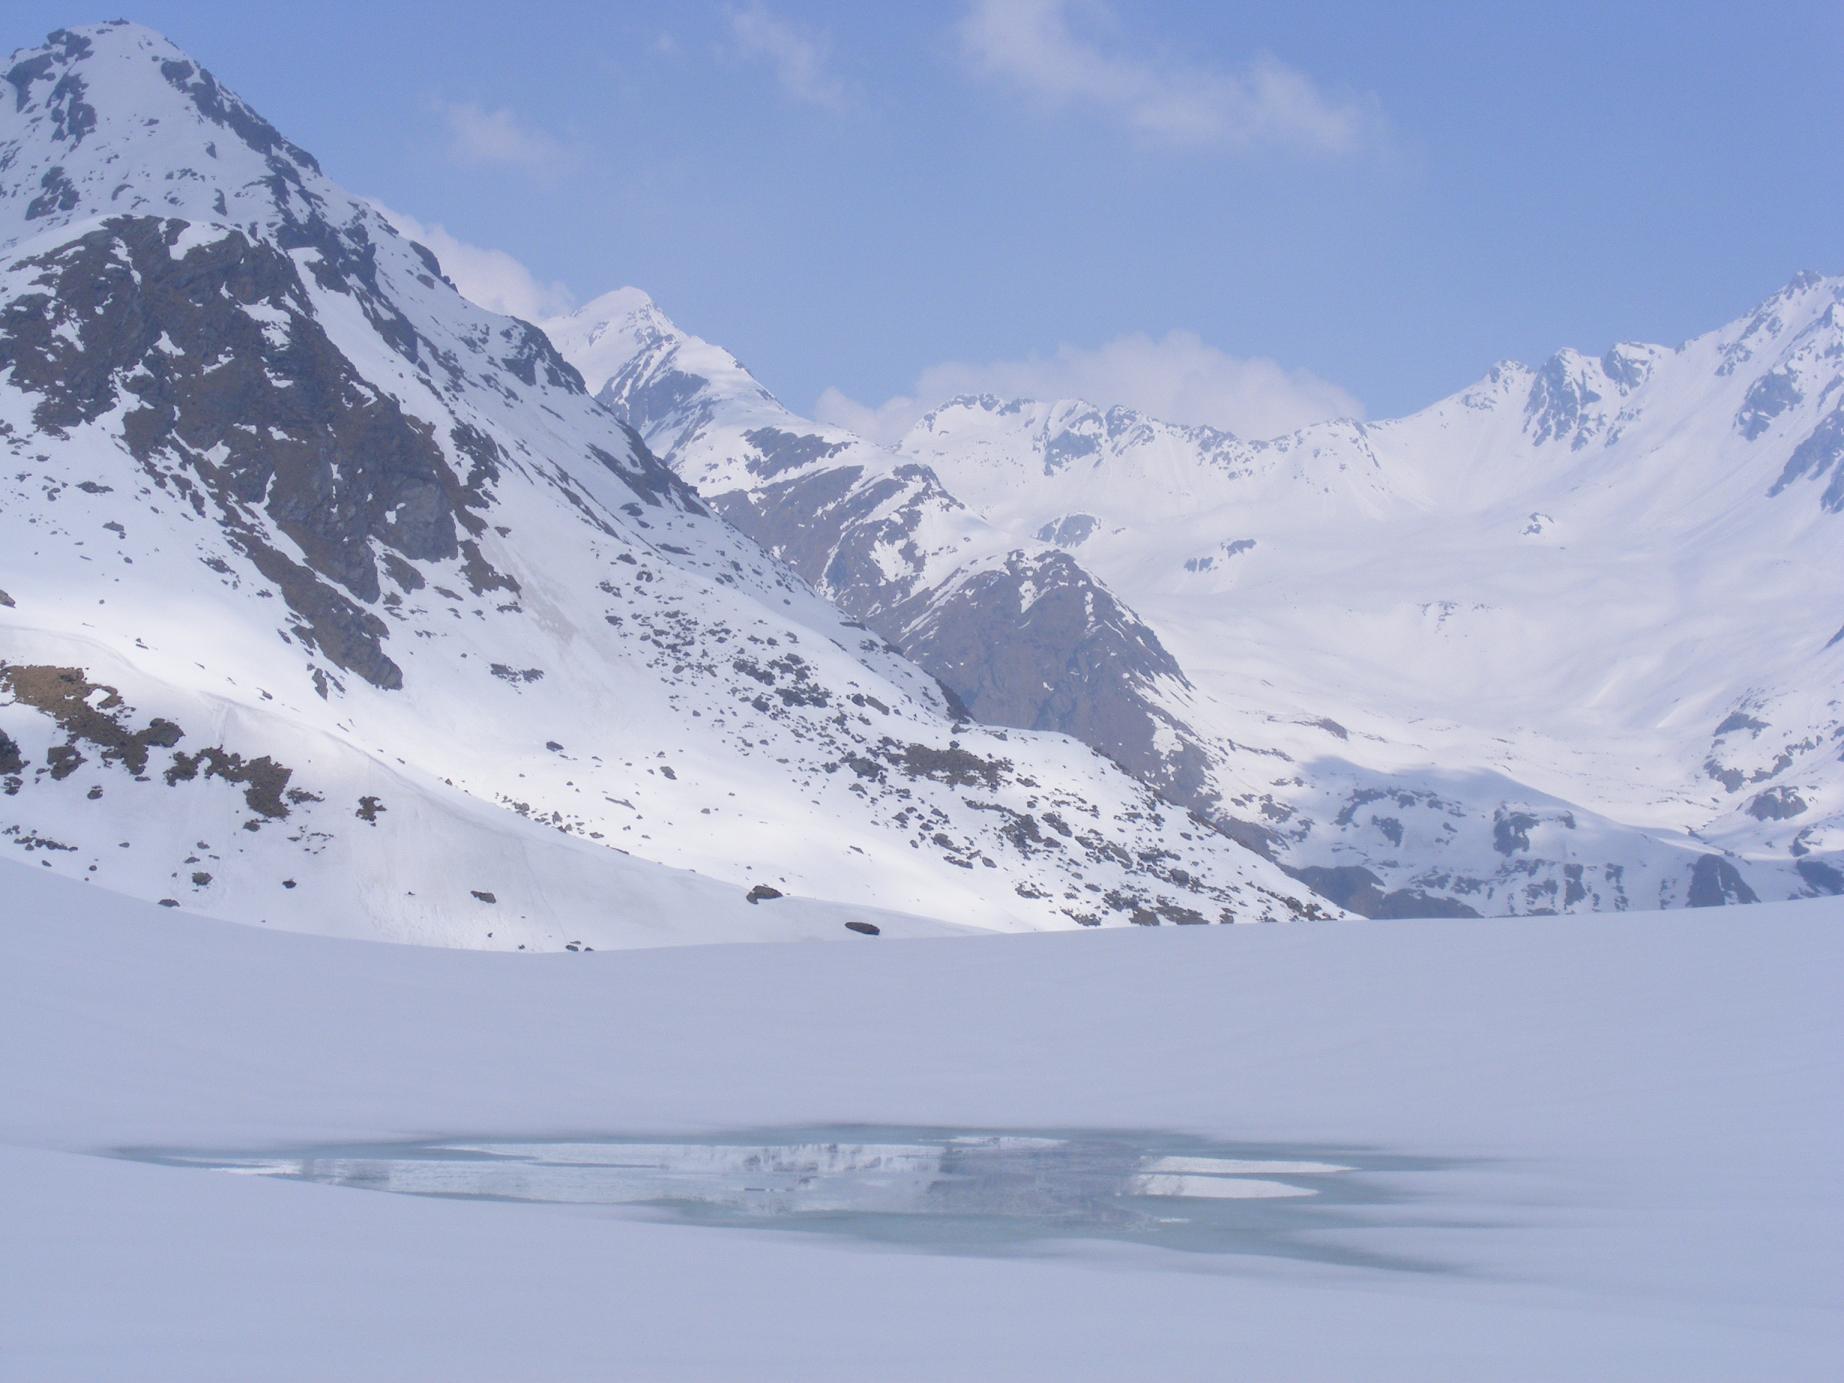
(956,1190)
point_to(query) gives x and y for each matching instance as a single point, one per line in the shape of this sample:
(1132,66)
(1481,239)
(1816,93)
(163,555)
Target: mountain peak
(622,317)
(621,342)
(1806,280)
(115,119)
(617,303)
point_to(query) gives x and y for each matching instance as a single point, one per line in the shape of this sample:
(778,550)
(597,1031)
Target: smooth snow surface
(1605,1148)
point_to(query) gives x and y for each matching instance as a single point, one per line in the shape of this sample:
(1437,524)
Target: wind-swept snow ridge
(331,600)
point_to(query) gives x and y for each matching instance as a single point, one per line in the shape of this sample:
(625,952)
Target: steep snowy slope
(1559,642)
(332,600)
(1019,630)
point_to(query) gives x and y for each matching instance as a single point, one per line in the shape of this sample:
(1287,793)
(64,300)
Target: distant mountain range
(1571,639)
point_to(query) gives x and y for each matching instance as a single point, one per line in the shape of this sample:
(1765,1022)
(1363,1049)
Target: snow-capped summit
(331,600)
(671,383)
(115,120)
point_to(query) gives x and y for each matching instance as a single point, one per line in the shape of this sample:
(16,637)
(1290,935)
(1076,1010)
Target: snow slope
(1626,1131)
(333,601)
(1560,642)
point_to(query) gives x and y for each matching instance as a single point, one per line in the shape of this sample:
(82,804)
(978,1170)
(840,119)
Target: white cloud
(1178,377)
(492,278)
(800,59)
(1032,46)
(481,138)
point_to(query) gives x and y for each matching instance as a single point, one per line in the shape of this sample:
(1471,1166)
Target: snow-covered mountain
(1566,640)
(1019,630)
(333,601)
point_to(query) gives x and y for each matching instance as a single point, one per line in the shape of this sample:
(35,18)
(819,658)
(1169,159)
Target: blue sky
(884,200)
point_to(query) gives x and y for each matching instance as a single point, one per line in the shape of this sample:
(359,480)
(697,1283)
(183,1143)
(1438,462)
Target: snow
(1674,580)
(625,346)
(1627,1132)
(1539,1148)
(1537,598)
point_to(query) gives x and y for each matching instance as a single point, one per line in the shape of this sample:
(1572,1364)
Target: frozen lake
(1578,1148)
(952,1190)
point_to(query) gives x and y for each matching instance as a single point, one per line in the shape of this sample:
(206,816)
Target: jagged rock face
(336,602)
(1036,642)
(854,533)
(1463,662)
(997,630)
(1023,638)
